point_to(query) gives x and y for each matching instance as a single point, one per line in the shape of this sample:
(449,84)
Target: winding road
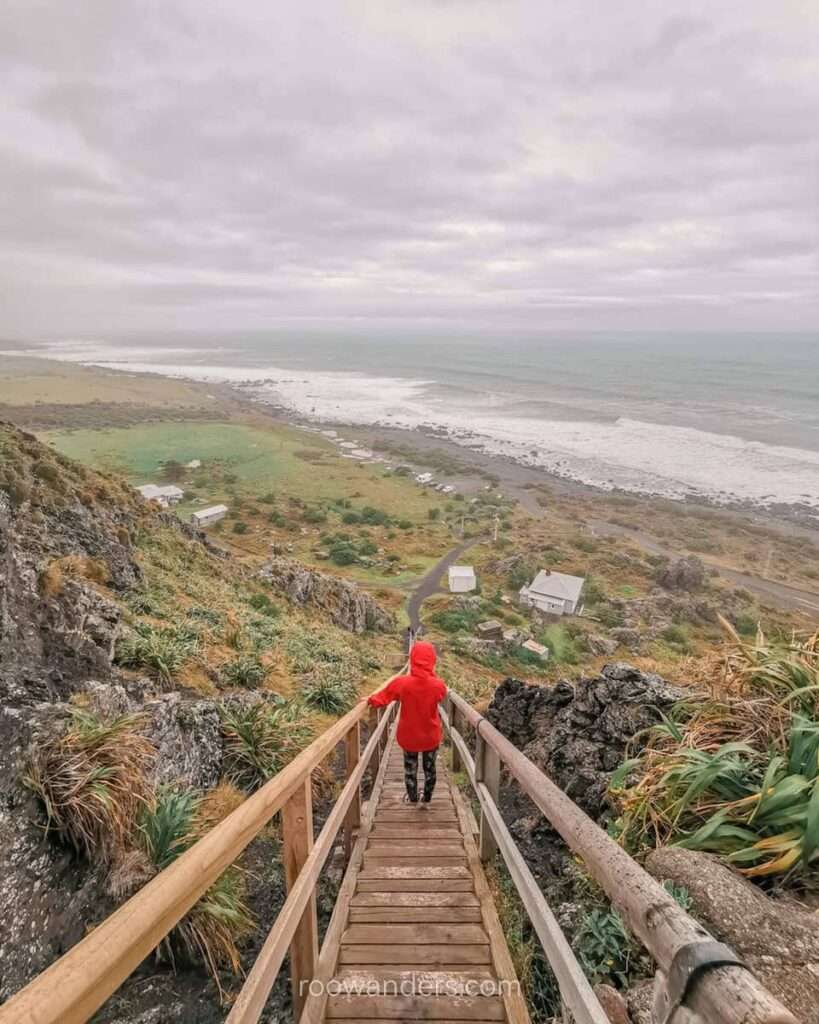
(430,584)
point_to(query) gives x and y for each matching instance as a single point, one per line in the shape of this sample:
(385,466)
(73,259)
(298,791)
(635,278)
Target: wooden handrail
(723,995)
(73,988)
(251,1000)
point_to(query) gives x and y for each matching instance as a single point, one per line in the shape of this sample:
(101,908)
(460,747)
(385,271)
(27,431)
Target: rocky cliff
(345,604)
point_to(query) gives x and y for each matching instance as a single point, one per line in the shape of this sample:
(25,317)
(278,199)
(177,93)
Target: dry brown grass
(52,579)
(92,779)
(217,804)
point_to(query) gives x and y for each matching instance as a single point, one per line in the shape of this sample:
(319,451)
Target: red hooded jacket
(419,694)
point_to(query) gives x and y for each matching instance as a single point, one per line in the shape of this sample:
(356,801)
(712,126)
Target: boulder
(346,604)
(777,939)
(683,574)
(597,644)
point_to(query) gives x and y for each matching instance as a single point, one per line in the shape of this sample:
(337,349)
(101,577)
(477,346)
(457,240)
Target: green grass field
(261,459)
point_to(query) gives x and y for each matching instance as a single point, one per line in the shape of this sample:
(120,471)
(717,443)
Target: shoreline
(791,520)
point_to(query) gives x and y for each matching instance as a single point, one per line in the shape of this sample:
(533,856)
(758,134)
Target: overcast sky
(253,163)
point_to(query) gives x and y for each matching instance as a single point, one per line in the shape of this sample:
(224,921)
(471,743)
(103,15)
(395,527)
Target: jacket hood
(422,656)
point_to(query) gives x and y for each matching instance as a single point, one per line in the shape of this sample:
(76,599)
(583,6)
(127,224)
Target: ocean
(724,417)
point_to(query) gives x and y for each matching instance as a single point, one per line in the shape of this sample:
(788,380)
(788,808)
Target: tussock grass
(736,774)
(260,740)
(210,933)
(160,650)
(92,780)
(330,690)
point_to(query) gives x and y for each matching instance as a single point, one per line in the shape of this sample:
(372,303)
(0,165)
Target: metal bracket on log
(689,963)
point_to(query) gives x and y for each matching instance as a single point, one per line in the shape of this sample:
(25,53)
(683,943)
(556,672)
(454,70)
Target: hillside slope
(145,678)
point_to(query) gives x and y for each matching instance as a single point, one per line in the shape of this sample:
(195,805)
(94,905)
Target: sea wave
(624,453)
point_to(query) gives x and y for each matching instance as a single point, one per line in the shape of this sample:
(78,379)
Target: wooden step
(420,955)
(471,1008)
(414,915)
(414,899)
(414,934)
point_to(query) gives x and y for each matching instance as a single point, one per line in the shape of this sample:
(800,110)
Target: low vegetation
(211,931)
(736,773)
(260,739)
(92,780)
(161,650)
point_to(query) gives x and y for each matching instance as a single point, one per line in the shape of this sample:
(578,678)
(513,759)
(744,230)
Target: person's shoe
(410,800)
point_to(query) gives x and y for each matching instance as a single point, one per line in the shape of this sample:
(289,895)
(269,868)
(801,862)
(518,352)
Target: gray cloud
(474,161)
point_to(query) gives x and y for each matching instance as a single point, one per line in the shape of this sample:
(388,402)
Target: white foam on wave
(630,454)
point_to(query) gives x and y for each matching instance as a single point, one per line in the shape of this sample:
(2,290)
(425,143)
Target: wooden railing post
(352,753)
(454,723)
(297,842)
(376,761)
(487,771)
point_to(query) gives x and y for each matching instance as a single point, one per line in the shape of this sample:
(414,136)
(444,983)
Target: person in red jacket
(419,727)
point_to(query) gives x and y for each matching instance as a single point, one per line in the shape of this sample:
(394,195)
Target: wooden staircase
(421,939)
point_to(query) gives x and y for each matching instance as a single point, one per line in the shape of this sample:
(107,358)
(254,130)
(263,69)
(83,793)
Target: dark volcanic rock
(345,603)
(578,733)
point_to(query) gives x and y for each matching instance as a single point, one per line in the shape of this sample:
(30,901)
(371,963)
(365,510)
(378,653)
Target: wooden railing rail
(251,1000)
(720,995)
(73,988)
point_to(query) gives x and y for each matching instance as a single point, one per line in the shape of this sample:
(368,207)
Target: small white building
(206,516)
(553,592)
(166,496)
(424,478)
(462,579)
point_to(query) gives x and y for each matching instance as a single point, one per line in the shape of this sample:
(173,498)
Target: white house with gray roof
(555,593)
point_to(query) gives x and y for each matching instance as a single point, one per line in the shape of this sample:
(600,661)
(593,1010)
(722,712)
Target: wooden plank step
(420,955)
(414,899)
(377,848)
(391,860)
(414,1008)
(450,979)
(414,934)
(428,833)
(415,884)
(413,871)
(414,915)
(414,814)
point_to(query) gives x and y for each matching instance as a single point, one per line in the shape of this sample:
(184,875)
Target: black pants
(411,773)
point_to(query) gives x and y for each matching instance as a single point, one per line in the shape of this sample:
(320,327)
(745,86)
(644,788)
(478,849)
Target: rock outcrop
(578,732)
(683,574)
(345,603)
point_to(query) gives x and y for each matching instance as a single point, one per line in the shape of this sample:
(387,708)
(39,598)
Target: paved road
(429,584)
(779,594)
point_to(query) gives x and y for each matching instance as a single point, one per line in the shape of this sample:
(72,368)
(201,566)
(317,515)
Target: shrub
(343,553)
(240,526)
(244,671)
(92,780)
(46,471)
(260,740)
(367,547)
(162,651)
(374,516)
(315,515)
(262,603)
(404,524)
(434,513)
(277,519)
(604,947)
